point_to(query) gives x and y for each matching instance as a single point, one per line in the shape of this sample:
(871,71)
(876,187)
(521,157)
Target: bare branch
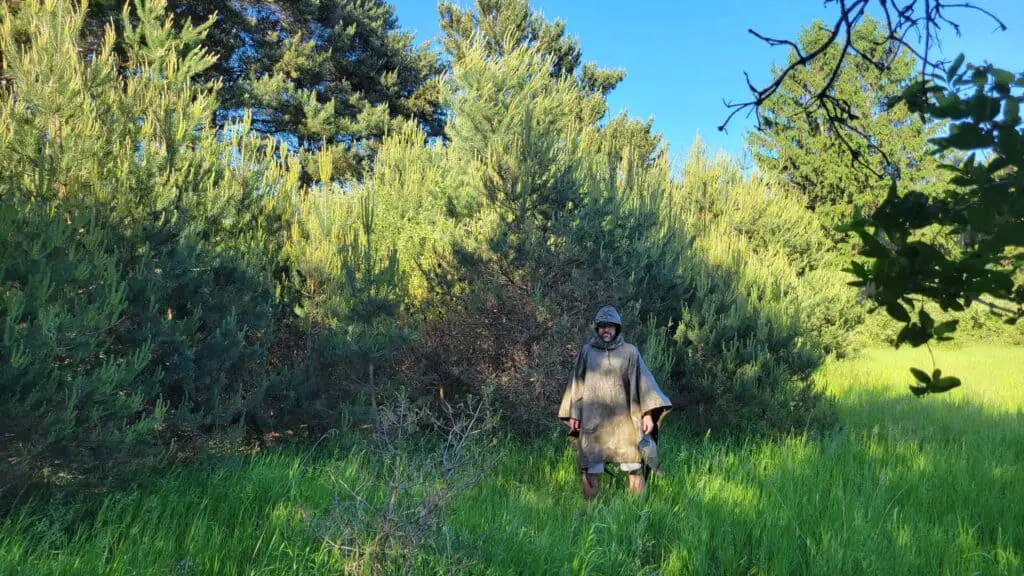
(888,18)
(777,42)
(876,64)
(763,95)
(910,47)
(969,6)
(902,20)
(842,55)
(954,25)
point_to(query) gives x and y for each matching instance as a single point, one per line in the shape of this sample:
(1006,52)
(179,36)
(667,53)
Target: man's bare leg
(637,482)
(591,485)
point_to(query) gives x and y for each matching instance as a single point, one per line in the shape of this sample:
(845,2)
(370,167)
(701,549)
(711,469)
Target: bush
(164,282)
(719,274)
(140,246)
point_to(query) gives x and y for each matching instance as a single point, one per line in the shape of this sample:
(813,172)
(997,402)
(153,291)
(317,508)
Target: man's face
(606,332)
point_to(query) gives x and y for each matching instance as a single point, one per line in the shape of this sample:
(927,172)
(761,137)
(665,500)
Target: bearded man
(612,401)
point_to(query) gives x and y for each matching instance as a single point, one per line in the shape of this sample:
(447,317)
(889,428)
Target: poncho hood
(607,315)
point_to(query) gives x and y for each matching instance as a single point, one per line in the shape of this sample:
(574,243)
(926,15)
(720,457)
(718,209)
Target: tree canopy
(797,142)
(504,25)
(310,71)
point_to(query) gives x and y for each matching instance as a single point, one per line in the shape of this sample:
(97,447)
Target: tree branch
(760,96)
(969,6)
(777,42)
(900,21)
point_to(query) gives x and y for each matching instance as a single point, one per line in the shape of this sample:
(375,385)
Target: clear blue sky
(683,58)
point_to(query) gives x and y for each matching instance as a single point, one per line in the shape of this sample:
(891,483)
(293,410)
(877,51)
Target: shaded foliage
(950,247)
(138,289)
(983,214)
(150,261)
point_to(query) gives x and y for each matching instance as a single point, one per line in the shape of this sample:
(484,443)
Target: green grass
(905,486)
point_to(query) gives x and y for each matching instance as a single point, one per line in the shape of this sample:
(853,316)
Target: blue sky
(683,58)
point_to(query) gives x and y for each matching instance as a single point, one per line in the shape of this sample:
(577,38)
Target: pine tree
(518,128)
(504,25)
(575,215)
(798,145)
(137,295)
(353,291)
(312,71)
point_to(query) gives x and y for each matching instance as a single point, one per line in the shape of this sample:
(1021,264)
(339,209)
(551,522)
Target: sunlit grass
(992,375)
(905,486)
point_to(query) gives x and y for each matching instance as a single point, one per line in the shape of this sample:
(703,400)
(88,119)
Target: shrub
(137,292)
(561,215)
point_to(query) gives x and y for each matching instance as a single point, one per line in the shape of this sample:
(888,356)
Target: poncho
(610,390)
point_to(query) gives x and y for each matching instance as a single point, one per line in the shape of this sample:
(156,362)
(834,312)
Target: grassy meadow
(902,486)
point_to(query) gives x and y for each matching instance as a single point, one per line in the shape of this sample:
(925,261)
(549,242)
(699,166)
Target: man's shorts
(625,467)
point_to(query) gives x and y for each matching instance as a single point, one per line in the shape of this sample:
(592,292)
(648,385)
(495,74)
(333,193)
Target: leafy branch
(902,20)
(981,217)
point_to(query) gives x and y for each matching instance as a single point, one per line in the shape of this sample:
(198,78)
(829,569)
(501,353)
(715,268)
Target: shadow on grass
(905,485)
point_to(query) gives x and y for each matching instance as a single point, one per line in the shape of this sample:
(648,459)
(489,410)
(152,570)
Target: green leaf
(1011,112)
(870,246)
(903,335)
(984,108)
(919,390)
(997,164)
(954,67)
(979,77)
(858,269)
(966,136)
(926,320)
(921,376)
(1003,78)
(944,384)
(951,106)
(897,311)
(918,336)
(946,327)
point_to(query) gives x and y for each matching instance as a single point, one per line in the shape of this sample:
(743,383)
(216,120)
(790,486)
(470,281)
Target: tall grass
(904,486)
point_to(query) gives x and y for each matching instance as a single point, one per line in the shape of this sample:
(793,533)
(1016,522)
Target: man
(611,402)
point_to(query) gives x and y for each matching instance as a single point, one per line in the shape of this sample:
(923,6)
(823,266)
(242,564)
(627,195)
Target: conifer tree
(504,25)
(311,72)
(579,214)
(353,291)
(797,144)
(137,294)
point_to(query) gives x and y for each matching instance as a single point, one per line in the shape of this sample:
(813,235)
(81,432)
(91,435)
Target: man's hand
(648,424)
(574,425)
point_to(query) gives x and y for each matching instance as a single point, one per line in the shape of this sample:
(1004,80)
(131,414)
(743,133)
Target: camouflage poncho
(610,391)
